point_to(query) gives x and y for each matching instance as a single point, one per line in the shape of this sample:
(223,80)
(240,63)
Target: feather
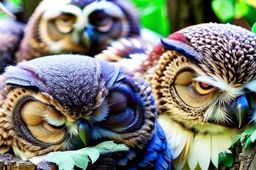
(158,153)
(204,141)
(193,154)
(185,145)
(176,136)
(220,143)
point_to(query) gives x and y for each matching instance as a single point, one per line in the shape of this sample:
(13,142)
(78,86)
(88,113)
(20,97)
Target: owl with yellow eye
(203,78)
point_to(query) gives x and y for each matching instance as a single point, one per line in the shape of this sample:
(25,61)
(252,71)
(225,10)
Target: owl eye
(192,93)
(65,23)
(40,122)
(102,21)
(124,111)
(203,88)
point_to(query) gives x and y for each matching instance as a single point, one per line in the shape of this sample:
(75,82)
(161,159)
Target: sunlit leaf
(224,9)
(254,28)
(241,9)
(153,15)
(251,2)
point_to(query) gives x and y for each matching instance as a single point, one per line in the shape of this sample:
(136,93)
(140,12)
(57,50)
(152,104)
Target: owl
(72,26)
(203,78)
(67,26)
(67,102)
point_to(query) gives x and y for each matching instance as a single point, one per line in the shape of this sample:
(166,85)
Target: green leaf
(226,158)
(253,136)
(80,161)
(153,9)
(108,146)
(67,160)
(246,133)
(241,8)
(224,9)
(254,28)
(17,2)
(236,139)
(93,153)
(248,137)
(248,142)
(64,161)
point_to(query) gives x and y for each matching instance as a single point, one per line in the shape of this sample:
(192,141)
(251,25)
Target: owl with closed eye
(67,102)
(203,78)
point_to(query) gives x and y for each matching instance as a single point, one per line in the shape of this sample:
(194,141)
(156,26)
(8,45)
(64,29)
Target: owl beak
(84,131)
(241,110)
(86,35)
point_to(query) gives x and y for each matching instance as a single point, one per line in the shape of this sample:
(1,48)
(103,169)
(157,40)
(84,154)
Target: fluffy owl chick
(49,102)
(72,26)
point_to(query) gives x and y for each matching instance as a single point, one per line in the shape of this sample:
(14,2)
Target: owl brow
(183,48)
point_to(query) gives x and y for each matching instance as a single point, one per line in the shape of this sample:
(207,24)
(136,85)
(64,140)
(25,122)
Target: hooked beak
(84,131)
(241,110)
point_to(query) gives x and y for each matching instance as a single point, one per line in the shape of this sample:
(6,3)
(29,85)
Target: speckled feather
(222,48)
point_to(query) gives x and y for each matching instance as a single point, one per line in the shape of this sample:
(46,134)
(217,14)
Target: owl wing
(11,33)
(157,154)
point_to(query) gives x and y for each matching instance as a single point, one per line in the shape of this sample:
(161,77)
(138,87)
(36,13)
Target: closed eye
(31,123)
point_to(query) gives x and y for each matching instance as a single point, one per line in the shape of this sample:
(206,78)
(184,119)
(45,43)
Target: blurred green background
(166,16)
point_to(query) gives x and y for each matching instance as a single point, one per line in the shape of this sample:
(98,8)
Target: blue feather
(158,155)
(182,48)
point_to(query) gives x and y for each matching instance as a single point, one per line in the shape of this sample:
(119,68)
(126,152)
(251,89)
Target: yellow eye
(65,23)
(202,88)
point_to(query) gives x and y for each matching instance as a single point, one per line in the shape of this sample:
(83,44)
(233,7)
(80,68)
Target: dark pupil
(99,18)
(205,86)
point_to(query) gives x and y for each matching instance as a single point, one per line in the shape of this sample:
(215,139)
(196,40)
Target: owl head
(67,102)
(203,75)
(84,27)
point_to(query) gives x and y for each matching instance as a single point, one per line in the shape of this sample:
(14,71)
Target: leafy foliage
(248,137)
(153,15)
(254,28)
(245,139)
(227,158)
(67,160)
(227,10)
